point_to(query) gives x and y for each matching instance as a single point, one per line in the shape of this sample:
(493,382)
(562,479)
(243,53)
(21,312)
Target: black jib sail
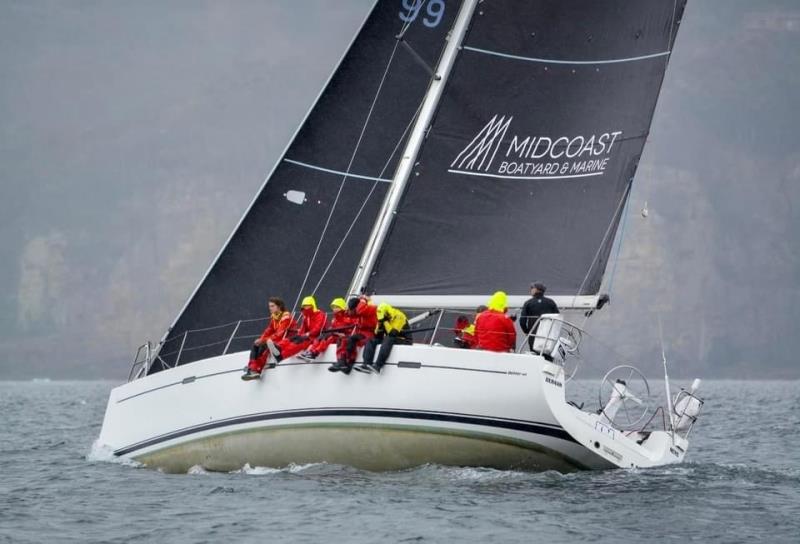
(528,163)
(321,199)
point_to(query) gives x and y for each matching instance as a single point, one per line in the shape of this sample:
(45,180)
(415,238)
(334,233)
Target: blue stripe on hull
(514,424)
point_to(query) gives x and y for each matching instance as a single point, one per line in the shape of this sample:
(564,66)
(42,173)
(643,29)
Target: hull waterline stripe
(556,61)
(529,427)
(337,172)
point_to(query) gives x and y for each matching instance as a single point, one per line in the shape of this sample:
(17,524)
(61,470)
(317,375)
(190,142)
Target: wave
(292,468)
(102,453)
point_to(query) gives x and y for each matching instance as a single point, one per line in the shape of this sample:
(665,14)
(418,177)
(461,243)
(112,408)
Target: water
(741,483)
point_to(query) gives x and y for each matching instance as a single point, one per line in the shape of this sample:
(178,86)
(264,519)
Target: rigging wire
(366,200)
(614,217)
(347,171)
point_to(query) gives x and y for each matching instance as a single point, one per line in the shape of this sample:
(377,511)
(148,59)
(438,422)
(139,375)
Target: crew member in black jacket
(537,305)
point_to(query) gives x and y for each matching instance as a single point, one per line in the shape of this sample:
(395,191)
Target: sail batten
(565,61)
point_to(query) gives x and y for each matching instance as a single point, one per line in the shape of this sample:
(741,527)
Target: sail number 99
(434,11)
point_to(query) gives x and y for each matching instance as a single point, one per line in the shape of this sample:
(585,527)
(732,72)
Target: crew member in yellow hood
(340,326)
(392,329)
(494,330)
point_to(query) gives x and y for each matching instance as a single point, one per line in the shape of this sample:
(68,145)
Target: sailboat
(458,148)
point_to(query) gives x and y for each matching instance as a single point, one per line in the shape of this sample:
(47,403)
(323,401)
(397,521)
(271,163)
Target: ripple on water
(731,489)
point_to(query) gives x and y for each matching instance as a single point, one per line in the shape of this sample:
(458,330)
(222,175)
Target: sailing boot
(347,367)
(251,375)
(337,366)
(366,368)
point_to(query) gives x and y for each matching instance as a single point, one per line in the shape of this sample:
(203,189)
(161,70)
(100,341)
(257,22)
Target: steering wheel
(630,387)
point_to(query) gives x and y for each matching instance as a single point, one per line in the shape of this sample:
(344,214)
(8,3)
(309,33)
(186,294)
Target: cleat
(273,349)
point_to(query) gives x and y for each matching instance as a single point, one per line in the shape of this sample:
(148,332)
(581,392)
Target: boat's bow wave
(103,453)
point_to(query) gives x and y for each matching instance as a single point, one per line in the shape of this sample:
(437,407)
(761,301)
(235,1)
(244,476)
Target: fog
(134,135)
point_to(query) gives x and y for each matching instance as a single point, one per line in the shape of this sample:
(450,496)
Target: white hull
(430,404)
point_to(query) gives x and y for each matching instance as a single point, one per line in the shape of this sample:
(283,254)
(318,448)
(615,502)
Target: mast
(409,157)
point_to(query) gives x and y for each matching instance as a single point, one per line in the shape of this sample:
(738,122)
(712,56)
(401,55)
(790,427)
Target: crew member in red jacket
(494,330)
(314,321)
(365,316)
(280,326)
(340,326)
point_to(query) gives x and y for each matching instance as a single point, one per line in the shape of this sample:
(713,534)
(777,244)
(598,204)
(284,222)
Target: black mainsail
(321,199)
(528,162)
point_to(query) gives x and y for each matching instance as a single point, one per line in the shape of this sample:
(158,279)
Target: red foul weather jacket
(495,331)
(313,323)
(341,320)
(280,326)
(366,318)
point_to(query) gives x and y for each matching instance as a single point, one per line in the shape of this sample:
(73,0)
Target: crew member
(341,325)
(280,325)
(465,331)
(365,317)
(314,321)
(494,330)
(392,329)
(533,309)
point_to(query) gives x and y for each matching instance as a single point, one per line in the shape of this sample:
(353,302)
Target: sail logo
(495,153)
(485,143)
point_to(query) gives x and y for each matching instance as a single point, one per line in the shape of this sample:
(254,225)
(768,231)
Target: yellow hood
(498,302)
(339,303)
(383,309)
(309,301)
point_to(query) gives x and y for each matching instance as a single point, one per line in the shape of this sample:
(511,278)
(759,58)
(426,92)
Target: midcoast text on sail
(491,154)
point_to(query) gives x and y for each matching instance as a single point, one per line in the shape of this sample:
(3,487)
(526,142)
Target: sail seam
(561,61)
(337,172)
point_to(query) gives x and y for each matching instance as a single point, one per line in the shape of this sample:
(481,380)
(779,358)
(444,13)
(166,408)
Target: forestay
(286,241)
(527,165)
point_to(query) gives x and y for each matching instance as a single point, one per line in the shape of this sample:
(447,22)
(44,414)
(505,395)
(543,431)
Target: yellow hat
(383,309)
(309,301)
(498,302)
(339,303)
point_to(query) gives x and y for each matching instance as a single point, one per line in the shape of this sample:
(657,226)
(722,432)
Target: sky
(135,134)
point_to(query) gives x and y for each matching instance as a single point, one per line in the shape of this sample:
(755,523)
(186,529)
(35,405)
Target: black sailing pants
(386,342)
(257,351)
